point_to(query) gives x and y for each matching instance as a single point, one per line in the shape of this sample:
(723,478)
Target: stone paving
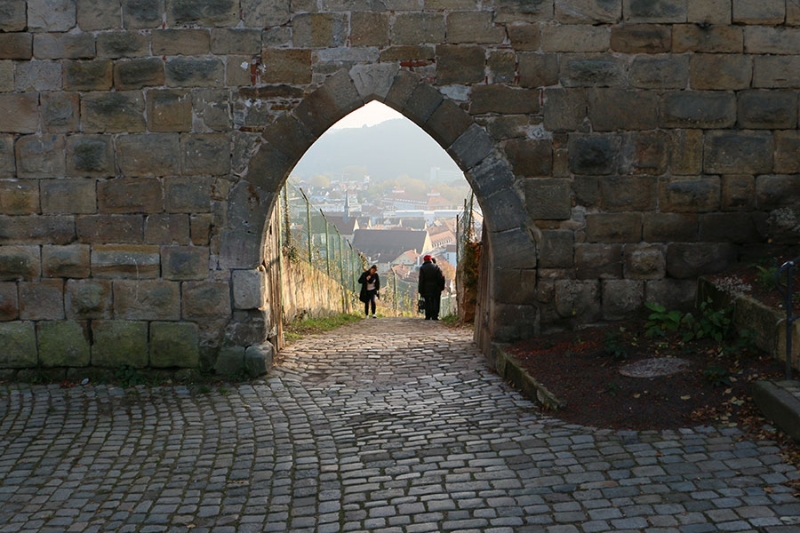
(390,425)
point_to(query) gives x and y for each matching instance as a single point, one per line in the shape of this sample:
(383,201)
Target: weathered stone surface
(447,123)
(9,302)
(530,157)
(319,30)
(671,293)
(149,155)
(118,44)
(206,154)
(579,300)
(99,229)
(138,73)
(230,361)
(169,111)
(212,109)
(70,261)
(369,29)
(236,41)
(720,72)
(184,262)
(68,196)
(60,112)
(40,156)
(189,195)
(773,192)
(186,42)
(113,112)
(628,193)
(659,72)
(90,156)
(645,153)
(738,193)
(641,39)
(51,15)
(618,109)
(41,300)
(473,27)
(593,154)
(598,261)
(174,344)
(63,46)
(686,152)
(710,12)
(556,249)
(12,15)
(602,70)
(205,299)
(286,66)
(258,359)
(689,260)
(63,343)
(588,11)
(776,72)
(524,36)
(666,227)
(734,152)
(190,72)
(696,109)
(37,229)
(199,229)
(249,289)
(614,227)
(37,76)
(502,67)
(764,12)
(772,40)
(19,345)
(19,113)
(6,76)
(787,146)
(167,229)
(16,45)
(499,99)
(119,343)
(687,194)
(768,109)
(547,199)
(621,298)
(19,197)
(655,10)
(147,300)
(19,262)
(125,261)
(219,13)
(460,64)
(728,227)
(130,195)
(575,39)
(644,261)
(258,14)
(415,28)
(88,299)
(491,176)
(92,75)
(709,39)
(93,15)
(564,109)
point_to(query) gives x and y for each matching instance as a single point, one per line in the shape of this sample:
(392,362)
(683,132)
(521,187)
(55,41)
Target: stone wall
(618,149)
(309,293)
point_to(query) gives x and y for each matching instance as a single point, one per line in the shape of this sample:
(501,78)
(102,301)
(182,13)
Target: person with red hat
(430,287)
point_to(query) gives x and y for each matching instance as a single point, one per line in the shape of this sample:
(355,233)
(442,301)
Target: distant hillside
(387,150)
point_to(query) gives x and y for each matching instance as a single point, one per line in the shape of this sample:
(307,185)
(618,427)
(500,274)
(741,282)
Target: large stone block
(51,15)
(206,154)
(215,13)
(737,228)
(619,109)
(147,300)
(185,42)
(12,15)
(40,156)
(613,227)
(130,195)
(169,111)
(194,72)
(524,37)
(319,30)
(60,112)
(415,28)
(447,123)
(6,76)
(16,46)
(776,72)
(119,44)
(37,230)
(720,72)
(68,196)
(641,39)
(292,66)
(738,193)
(174,344)
(763,12)
(88,299)
(664,11)
(91,75)
(738,152)
(578,300)
(504,100)
(473,27)
(125,261)
(773,192)
(602,70)
(41,300)
(37,76)
(710,12)
(709,39)
(548,199)
(115,112)
(19,345)
(644,261)
(99,229)
(235,41)
(659,72)
(139,14)
(205,299)
(768,109)
(696,109)
(502,67)
(19,113)
(118,343)
(71,261)
(491,176)
(90,156)
(556,249)
(138,73)
(621,298)
(578,38)
(167,229)
(200,229)
(564,109)
(689,260)
(93,15)
(9,301)
(460,64)
(63,343)
(155,154)
(671,293)
(645,152)
(184,262)
(686,147)
(670,227)
(588,11)
(212,109)
(258,359)
(787,146)
(530,157)
(63,46)
(598,261)
(628,193)
(594,154)
(19,197)
(772,40)
(690,194)
(471,148)
(249,289)
(19,262)
(189,195)
(369,29)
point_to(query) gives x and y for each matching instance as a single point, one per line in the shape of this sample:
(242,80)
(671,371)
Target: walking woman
(370,285)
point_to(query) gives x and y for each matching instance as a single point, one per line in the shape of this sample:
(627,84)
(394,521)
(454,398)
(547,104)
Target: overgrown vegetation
(300,328)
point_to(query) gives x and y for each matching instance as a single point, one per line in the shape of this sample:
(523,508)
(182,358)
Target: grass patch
(298,329)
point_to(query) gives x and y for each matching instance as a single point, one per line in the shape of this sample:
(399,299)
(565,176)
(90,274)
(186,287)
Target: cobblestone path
(390,425)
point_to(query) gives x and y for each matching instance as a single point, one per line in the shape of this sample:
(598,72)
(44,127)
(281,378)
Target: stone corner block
(230,361)
(249,289)
(258,359)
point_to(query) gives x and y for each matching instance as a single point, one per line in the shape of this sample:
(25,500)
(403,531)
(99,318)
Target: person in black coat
(431,285)
(370,285)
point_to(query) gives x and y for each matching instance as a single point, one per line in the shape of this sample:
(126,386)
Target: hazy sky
(369,115)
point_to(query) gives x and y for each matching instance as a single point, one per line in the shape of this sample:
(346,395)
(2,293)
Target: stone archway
(507,309)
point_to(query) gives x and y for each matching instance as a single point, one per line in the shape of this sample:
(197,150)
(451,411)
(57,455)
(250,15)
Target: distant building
(384,246)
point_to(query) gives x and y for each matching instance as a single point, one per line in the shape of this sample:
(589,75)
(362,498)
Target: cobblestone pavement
(390,425)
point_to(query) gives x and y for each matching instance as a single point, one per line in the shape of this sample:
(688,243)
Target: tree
(320,180)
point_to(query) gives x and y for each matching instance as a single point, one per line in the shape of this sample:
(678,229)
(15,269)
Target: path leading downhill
(388,425)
